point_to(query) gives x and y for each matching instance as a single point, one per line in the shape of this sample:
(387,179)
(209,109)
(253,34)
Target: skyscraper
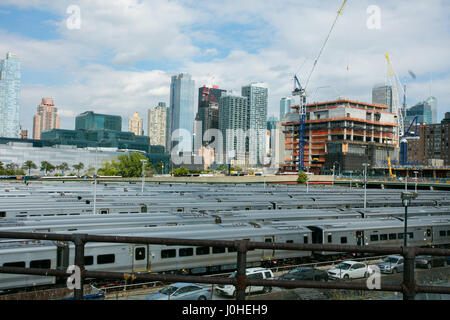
(46,118)
(257,94)
(208,109)
(157,118)
(285,106)
(382,94)
(182,93)
(432,102)
(423,112)
(9,96)
(233,116)
(136,124)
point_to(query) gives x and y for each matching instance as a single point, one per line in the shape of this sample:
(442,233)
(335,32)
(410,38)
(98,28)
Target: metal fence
(408,287)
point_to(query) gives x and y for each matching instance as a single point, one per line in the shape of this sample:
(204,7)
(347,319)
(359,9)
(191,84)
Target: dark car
(429,262)
(305,273)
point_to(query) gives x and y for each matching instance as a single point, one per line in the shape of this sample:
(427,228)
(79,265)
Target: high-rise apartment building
(157,123)
(233,115)
(46,118)
(257,94)
(182,91)
(9,96)
(136,124)
(285,106)
(382,94)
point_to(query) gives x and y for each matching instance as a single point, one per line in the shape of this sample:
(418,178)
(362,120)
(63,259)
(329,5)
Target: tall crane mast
(403,134)
(301,92)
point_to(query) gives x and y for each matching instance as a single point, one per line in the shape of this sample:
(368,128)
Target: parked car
(429,262)
(251,273)
(391,264)
(305,273)
(350,270)
(182,291)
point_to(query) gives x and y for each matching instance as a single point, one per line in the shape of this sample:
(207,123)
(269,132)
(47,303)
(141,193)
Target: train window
(139,253)
(106,258)
(19,264)
(2,214)
(330,238)
(186,252)
(305,239)
(428,232)
(448,232)
(201,251)
(442,233)
(392,236)
(343,239)
(40,264)
(218,250)
(289,241)
(171,253)
(268,240)
(374,237)
(411,235)
(88,260)
(232,249)
(400,235)
(383,237)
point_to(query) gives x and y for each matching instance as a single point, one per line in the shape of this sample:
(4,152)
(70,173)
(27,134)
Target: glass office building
(423,112)
(285,106)
(9,96)
(97,130)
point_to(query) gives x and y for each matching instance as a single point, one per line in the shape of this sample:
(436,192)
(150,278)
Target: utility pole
(143,174)
(407,197)
(365,183)
(95,194)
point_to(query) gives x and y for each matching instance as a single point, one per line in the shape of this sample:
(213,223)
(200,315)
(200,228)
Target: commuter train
(422,231)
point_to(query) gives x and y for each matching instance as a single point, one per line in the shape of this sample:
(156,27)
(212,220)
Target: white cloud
(118,34)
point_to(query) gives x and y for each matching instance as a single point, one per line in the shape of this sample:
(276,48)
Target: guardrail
(409,288)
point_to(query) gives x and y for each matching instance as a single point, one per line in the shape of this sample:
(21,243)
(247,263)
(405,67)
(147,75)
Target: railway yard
(319,214)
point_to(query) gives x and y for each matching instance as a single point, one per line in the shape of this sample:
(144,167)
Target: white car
(350,270)
(251,273)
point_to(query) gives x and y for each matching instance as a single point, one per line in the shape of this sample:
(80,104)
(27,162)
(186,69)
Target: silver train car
(422,231)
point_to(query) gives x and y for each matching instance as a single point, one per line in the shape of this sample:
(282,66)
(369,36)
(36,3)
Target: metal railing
(409,287)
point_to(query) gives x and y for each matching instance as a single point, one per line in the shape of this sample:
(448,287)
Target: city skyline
(84,69)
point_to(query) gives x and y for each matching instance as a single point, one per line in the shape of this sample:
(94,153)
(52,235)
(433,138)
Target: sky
(117,56)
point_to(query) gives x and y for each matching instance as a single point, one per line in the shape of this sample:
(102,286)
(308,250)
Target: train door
(360,238)
(317,234)
(140,260)
(62,259)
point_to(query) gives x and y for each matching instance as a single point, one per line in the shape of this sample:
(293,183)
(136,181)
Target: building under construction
(342,133)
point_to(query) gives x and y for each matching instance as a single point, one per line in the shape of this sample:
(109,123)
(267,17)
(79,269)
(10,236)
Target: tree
(28,165)
(130,165)
(180,172)
(47,167)
(2,169)
(109,169)
(302,177)
(78,167)
(63,167)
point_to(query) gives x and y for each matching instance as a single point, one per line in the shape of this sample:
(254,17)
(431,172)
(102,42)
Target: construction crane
(402,135)
(301,92)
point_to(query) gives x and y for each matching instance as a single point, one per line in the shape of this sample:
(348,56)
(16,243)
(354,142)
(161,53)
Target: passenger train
(422,231)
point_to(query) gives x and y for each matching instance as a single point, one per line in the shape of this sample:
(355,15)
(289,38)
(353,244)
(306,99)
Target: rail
(409,288)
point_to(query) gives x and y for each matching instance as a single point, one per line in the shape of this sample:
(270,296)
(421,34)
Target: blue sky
(122,57)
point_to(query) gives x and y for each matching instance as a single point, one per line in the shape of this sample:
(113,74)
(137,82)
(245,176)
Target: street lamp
(143,174)
(407,197)
(365,184)
(95,193)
